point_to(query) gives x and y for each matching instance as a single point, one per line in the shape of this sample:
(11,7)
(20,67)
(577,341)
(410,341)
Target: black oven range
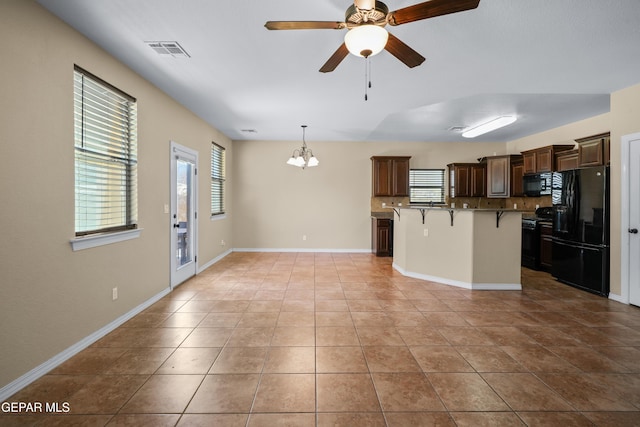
(531,236)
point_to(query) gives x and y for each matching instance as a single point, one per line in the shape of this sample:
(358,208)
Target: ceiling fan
(366,19)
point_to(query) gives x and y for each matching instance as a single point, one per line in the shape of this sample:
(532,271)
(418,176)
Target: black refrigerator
(581,228)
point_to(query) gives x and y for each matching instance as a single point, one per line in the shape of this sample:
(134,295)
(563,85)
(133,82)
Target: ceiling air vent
(169,48)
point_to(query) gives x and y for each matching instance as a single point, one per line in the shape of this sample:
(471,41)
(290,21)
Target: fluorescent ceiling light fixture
(366,40)
(489,126)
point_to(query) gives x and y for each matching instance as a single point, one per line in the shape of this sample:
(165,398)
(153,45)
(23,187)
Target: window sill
(218,217)
(87,242)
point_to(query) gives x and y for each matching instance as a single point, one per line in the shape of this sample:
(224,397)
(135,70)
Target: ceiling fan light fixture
(489,126)
(366,40)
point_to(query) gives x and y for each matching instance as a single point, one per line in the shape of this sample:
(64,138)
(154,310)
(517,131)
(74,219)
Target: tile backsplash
(523,203)
(376,202)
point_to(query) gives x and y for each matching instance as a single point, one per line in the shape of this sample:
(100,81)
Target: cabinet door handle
(633,230)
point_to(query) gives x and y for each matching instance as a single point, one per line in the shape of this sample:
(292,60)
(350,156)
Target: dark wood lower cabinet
(382,236)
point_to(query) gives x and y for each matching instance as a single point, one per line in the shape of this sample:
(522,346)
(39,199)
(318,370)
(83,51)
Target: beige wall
(471,253)
(562,135)
(51,297)
(276,204)
(425,256)
(625,119)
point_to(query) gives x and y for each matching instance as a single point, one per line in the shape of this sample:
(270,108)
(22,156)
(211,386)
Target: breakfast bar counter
(468,248)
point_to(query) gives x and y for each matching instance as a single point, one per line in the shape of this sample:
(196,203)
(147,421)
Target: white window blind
(426,186)
(105,156)
(217,179)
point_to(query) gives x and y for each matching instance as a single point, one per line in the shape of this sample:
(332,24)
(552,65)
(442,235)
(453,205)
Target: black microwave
(537,185)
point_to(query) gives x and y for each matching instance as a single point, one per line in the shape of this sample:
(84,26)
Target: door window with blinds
(426,186)
(217,179)
(105,157)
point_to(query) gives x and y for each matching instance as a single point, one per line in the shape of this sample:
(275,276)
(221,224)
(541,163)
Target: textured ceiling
(550,62)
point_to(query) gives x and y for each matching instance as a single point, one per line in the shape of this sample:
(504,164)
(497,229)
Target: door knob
(633,230)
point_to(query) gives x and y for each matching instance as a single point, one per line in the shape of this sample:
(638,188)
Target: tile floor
(265,339)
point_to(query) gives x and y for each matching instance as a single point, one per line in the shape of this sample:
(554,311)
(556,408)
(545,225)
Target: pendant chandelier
(303,157)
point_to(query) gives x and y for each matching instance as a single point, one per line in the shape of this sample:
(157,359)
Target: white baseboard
(213,261)
(26,379)
(618,298)
(460,284)
(324,250)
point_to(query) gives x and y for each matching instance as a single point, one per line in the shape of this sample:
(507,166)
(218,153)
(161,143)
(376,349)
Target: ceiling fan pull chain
(367,77)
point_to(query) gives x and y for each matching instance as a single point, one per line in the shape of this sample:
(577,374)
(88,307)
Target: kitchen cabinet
(501,177)
(478,180)
(541,160)
(517,172)
(467,179)
(594,150)
(546,245)
(382,237)
(390,176)
(529,160)
(567,160)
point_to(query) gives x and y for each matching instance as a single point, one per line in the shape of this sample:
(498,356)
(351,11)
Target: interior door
(183,253)
(634,221)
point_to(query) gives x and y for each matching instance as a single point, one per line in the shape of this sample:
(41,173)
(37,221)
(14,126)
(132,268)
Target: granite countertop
(382,215)
(447,208)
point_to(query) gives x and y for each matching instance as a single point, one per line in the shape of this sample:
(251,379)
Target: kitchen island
(468,248)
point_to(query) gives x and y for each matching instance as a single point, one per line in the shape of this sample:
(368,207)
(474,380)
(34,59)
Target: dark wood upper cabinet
(500,175)
(541,160)
(400,177)
(529,165)
(390,176)
(478,180)
(467,179)
(517,172)
(594,150)
(567,160)
(544,161)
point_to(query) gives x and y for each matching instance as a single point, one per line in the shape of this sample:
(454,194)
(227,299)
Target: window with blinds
(105,156)
(426,186)
(217,179)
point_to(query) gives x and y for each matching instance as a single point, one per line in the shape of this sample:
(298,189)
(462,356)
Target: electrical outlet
(304,237)
(426,232)
(222,242)
(114,293)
